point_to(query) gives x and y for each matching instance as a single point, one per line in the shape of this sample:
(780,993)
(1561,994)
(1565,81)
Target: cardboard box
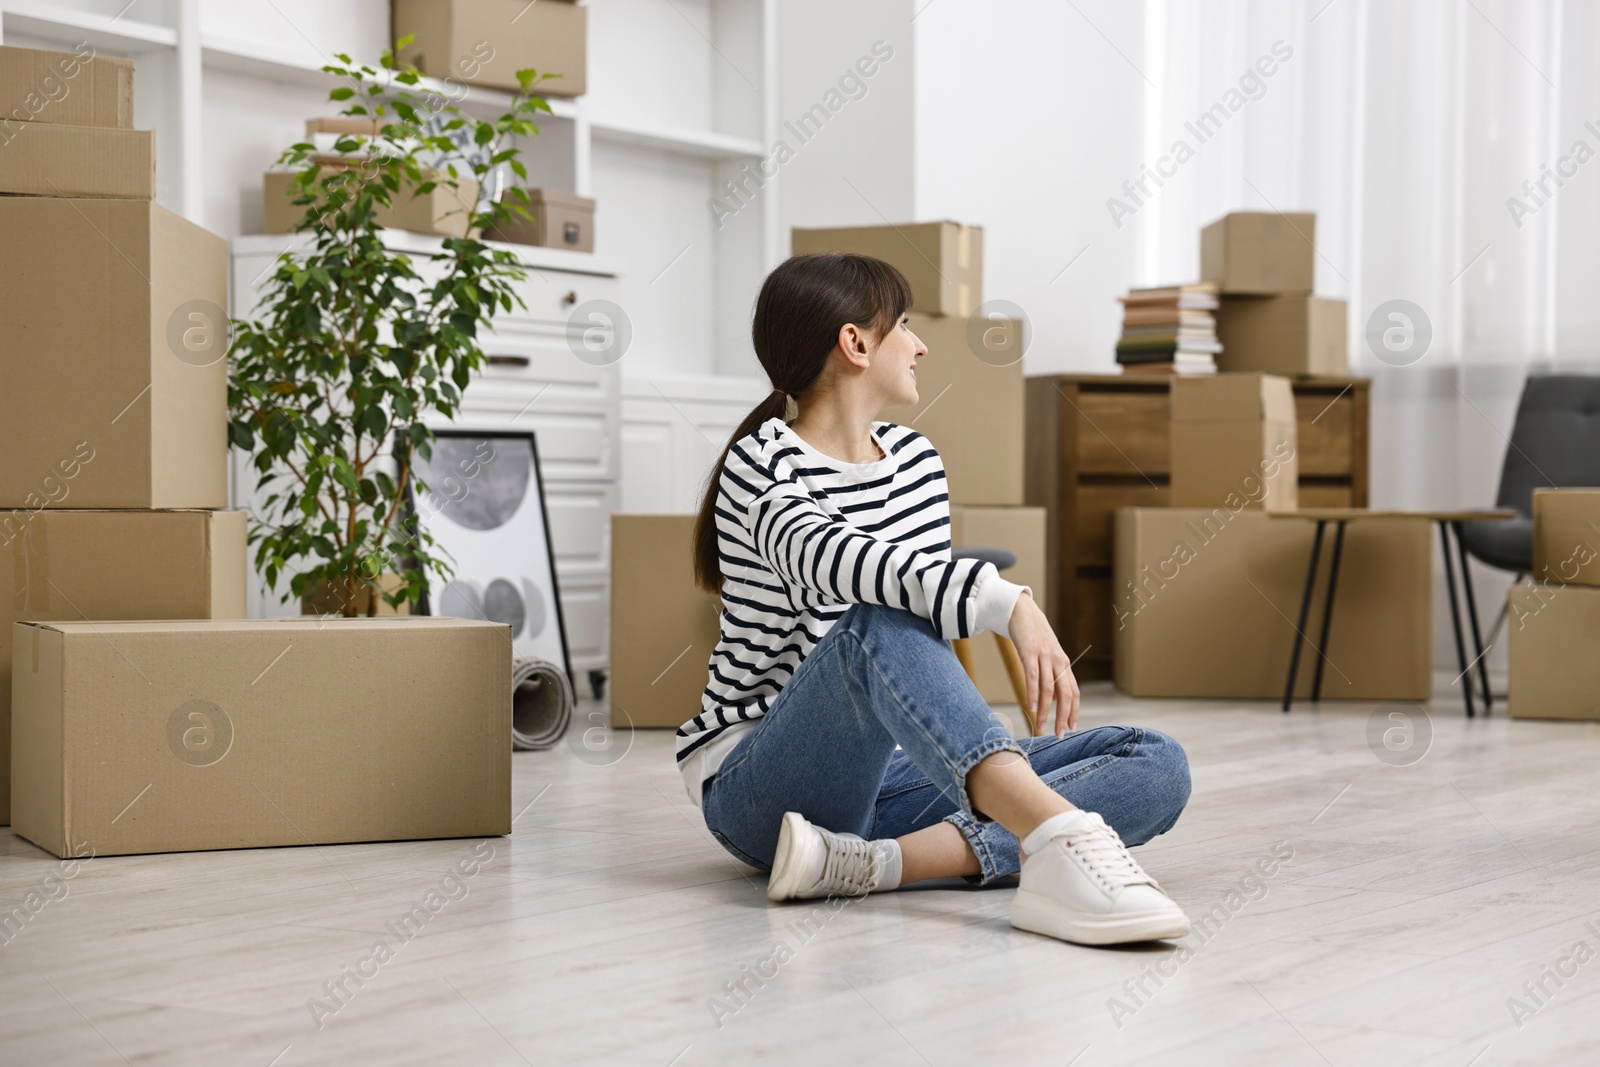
(663,628)
(63,88)
(943,261)
(113,565)
(259,732)
(40,159)
(560,220)
(485,42)
(1022,530)
(1234,437)
(1204,603)
(1555,630)
(1260,252)
(114,364)
(1566,536)
(1294,335)
(442,210)
(970,405)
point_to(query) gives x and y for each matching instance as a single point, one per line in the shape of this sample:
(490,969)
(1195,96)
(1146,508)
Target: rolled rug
(541,703)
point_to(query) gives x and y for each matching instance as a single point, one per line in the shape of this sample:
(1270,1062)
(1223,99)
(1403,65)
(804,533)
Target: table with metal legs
(1449,523)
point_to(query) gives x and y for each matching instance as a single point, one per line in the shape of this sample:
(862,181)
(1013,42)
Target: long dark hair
(803,305)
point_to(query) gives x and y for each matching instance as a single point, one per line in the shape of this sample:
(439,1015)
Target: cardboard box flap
(1233,397)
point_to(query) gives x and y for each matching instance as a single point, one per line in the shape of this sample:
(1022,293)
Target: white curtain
(1451,152)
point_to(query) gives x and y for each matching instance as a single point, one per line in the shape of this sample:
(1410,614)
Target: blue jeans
(881,676)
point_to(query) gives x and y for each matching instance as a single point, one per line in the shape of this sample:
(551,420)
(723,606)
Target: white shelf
(534,257)
(67,26)
(302,68)
(679,139)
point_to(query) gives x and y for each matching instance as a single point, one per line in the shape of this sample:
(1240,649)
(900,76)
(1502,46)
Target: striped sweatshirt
(802,536)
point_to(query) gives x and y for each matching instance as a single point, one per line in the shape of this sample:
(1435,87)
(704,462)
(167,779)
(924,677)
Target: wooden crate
(1096,443)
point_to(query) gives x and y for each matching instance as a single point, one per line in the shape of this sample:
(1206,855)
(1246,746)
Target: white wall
(858,169)
(1026,121)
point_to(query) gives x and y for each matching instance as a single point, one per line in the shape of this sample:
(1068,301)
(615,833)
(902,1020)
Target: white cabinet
(673,430)
(538,380)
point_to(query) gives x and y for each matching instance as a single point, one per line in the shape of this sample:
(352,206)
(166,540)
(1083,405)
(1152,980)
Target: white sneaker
(813,862)
(1083,886)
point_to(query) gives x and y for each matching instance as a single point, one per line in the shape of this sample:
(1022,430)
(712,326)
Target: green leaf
(343,92)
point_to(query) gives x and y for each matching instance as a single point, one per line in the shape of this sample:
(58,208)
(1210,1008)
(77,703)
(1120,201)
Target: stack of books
(1169,330)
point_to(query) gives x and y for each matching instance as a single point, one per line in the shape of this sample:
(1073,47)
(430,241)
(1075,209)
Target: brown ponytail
(803,305)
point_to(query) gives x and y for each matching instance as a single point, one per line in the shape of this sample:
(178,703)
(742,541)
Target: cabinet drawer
(1097,506)
(1323,446)
(1096,627)
(1325,496)
(1122,432)
(533,352)
(552,296)
(573,444)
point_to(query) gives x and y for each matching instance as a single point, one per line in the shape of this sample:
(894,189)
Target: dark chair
(1555,443)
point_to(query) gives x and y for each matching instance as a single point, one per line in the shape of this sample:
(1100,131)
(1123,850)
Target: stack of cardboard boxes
(1555,619)
(214,731)
(113,407)
(1263,265)
(1203,590)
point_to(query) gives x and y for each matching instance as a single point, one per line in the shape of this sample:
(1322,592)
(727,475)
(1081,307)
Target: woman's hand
(1045,666)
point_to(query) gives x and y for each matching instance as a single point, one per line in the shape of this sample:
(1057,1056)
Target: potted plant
(354,344)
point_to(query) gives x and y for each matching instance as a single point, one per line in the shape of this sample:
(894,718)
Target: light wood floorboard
(1419,901)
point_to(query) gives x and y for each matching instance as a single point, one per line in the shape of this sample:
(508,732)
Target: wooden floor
(1418,902)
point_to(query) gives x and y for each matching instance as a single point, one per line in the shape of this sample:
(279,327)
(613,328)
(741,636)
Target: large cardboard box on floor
(1295,335)
(114,362)
(1204,602)
(113,565)
(1233,438)
(663,628)
(1555,630)
(259,732)
(42,159)
(442,210)
(485,42)
(1566,536)
(1260,252)
(943,261)
(1022,531)
(969,404)
(64,88)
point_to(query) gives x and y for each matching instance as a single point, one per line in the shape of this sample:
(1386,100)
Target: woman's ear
(856,344)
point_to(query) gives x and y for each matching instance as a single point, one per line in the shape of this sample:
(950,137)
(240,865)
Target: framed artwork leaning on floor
(483,504)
